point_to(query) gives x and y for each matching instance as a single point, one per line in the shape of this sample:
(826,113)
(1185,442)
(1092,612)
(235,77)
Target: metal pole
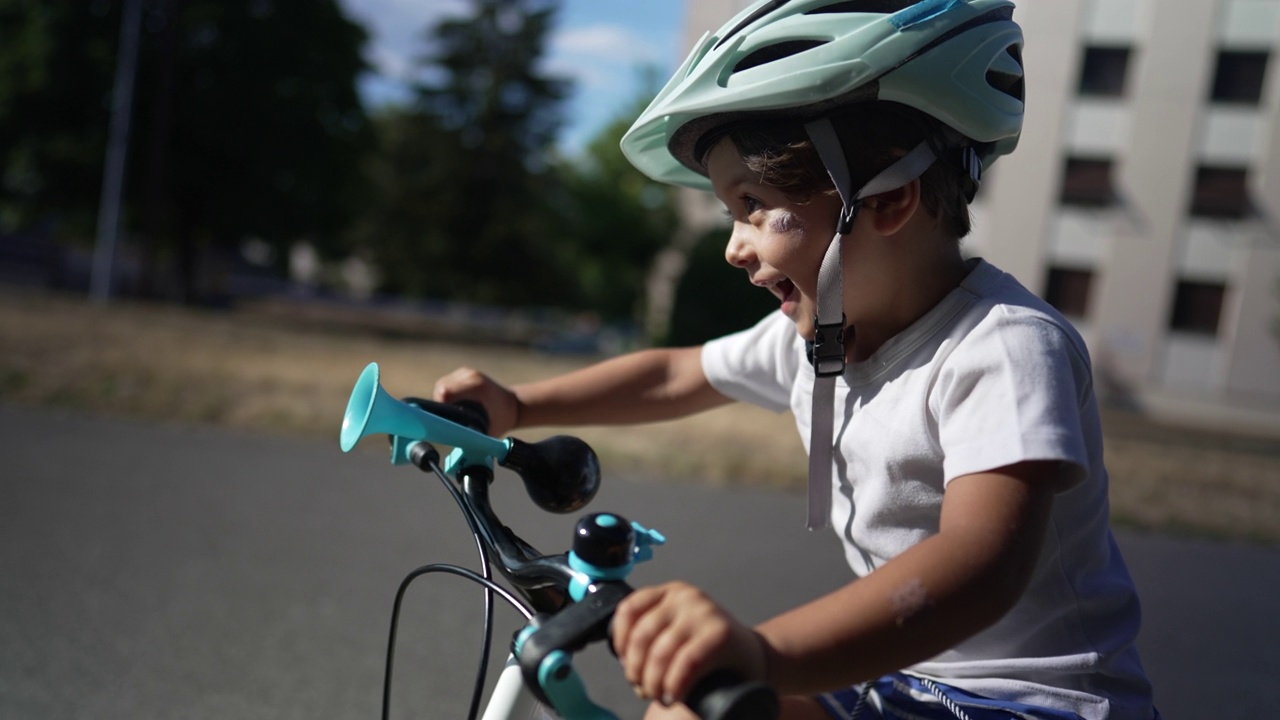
(117,152)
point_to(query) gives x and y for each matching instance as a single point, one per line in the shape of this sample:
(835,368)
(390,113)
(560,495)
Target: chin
(804,328)
(802,318)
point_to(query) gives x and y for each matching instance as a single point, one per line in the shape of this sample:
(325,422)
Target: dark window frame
(1069,289)
(1239,77)
(1088,182)
(1221,192)
(1197,307)
(1104,71)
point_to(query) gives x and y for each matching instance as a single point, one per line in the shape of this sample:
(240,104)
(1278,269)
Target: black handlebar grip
(725,695)
(467,413)
(478,416)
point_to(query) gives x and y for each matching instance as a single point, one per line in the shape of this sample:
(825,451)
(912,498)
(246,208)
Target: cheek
(785,221)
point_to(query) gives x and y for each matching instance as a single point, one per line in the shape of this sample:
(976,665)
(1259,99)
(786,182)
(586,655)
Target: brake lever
(544,649)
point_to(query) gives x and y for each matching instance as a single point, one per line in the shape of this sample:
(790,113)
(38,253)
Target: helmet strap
(828,349)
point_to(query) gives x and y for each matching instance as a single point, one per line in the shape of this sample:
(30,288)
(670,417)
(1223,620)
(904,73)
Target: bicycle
(567,599)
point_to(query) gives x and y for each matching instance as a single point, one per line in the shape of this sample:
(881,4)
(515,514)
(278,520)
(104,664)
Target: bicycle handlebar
(561,474)
(467,413)
(726,694)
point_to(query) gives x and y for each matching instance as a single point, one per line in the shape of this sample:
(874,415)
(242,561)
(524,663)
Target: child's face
(779,242)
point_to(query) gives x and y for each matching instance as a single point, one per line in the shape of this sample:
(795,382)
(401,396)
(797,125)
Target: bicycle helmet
(958,61)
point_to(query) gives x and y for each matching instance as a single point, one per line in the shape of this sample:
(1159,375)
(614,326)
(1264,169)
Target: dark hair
(873,136)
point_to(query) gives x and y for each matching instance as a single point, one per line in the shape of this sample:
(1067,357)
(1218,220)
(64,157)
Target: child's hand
(669,636)
(469,384)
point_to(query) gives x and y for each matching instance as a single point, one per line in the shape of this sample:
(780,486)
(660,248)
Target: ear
(890,211)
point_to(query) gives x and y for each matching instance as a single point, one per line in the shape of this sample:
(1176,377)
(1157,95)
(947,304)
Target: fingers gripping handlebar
(605,548)
(560,474)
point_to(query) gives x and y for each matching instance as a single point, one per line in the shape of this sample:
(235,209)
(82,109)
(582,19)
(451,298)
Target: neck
(909,290)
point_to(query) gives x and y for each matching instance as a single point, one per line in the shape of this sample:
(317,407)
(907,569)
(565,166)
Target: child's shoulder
(1006,313)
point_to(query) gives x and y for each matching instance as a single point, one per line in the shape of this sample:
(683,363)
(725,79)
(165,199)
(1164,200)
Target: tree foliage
(714,298)
(467,207)
(616,219)
(55,83)
(247,120)
(247,123)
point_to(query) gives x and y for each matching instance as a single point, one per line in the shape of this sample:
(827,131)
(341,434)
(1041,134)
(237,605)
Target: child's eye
(749,206)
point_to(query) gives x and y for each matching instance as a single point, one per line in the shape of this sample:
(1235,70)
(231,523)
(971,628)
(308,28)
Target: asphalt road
(157,571)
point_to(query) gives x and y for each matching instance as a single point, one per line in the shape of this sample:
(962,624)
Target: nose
(738,252)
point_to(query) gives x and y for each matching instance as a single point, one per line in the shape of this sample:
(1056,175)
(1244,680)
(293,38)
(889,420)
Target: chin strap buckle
(849,213)
(826,354)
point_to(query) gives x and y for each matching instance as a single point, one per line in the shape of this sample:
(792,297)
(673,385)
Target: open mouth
(783,289)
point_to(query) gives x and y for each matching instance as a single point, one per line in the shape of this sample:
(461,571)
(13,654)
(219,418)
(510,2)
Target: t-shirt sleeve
(1014,394)
(757,365)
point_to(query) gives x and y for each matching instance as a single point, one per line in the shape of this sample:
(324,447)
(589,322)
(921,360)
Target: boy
(954,437)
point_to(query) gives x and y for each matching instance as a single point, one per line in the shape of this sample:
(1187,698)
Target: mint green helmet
(958,61)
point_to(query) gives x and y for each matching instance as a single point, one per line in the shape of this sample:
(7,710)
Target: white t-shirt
(989,377)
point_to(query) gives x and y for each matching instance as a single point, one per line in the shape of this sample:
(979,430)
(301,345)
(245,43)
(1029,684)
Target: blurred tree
(401,227)
(56,62)
(254,124)
(465,208)
(247,122)
(616,221)
(470,205)
(714,298)
(633,259)
(634,256)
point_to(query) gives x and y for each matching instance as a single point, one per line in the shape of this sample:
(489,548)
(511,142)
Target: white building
(1144,198)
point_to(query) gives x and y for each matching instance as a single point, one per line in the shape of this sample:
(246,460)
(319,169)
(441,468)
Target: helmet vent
(1008,77)
(775,52)
(862,6)
(759,13)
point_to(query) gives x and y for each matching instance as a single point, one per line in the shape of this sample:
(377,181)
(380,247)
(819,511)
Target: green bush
(715,298)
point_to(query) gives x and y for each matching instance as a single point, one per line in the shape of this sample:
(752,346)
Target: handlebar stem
(541,579)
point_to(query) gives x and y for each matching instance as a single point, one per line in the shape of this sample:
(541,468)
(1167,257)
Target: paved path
(152,571)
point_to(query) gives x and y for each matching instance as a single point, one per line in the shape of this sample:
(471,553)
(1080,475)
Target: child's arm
(922,602)
(645,386)
(929,598)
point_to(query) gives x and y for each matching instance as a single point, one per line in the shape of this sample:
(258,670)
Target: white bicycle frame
(512,700)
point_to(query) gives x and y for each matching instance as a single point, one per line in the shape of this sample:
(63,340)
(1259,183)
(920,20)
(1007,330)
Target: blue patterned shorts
(899,696)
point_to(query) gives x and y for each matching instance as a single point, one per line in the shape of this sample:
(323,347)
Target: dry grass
(286,373)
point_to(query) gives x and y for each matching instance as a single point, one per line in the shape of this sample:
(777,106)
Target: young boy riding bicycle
(953,431)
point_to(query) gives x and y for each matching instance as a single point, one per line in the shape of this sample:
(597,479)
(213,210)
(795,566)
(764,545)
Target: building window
(1087,182)
(1103,71)
(1197,307)
(1239,77)
(1220,192)
(1068,290)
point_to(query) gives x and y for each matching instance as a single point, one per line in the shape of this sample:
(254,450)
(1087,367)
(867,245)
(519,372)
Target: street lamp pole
(117,153)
